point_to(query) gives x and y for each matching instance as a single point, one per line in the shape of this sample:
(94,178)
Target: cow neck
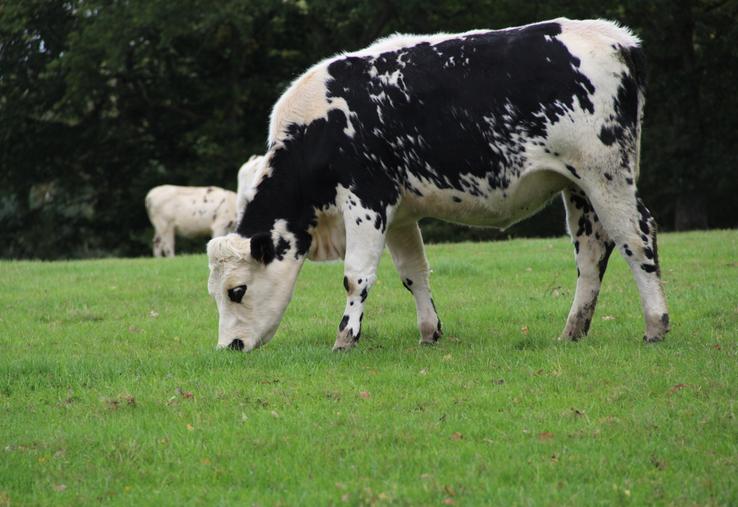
(280,198)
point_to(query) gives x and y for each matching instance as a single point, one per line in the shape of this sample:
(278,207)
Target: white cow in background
(189,212)
(245,175)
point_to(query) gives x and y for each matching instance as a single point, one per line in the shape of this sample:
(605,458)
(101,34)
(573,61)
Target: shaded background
(102,100)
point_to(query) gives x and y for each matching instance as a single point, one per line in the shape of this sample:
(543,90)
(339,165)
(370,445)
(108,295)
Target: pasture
(111,391)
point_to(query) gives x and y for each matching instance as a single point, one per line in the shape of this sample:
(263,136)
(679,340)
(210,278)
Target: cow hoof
(653,339)
(570,337)
(343,344)
(430,333)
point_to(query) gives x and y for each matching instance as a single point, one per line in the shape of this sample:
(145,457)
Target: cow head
(251,280)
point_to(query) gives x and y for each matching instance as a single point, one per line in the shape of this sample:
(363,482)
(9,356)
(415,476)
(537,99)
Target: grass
(111,391)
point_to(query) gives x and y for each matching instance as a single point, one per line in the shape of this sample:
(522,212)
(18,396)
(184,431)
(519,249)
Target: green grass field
(111,391)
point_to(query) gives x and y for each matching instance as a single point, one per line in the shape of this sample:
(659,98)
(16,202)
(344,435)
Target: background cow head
(252,280)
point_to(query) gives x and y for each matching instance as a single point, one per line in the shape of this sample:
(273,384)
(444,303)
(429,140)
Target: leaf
(545,436)
(184,394)
(457,436)
(678,387)
(190,427)
(608,317)
(153,314)
(60,487)
(449,501)
(524,330)
(365,395)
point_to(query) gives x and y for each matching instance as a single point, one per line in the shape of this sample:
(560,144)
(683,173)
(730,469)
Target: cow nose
(236,344)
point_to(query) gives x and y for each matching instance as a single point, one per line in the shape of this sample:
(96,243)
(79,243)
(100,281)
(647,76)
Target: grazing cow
(189,212)
(481,128)
(245,173)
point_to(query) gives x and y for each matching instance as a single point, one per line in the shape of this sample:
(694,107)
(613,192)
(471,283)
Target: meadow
(111,391)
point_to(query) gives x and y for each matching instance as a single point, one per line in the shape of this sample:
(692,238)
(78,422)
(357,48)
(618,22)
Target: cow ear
(262,247)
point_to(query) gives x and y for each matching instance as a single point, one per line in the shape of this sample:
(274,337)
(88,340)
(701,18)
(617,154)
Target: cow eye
(236,293)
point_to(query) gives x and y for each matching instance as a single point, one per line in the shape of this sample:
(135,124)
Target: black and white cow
(481,128)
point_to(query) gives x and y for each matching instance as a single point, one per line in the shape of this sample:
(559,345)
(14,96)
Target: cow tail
(636,61)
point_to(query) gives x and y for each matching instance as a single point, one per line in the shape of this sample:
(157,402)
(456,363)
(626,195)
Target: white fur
(188,212)
(247,175)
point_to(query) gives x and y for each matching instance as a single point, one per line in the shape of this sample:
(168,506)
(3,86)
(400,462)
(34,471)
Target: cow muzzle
(236,344)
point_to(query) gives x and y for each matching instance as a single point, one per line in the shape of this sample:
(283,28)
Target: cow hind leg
(406,247)
(592,247)
(629,223)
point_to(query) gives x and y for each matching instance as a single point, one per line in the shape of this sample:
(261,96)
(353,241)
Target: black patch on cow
(282,246)
(359,281)
(648,268)
(665,320)
(262,247)
(456,199)
(585,226)
(648,252)
(407,283)
(364,294)
(447,120)
(344,323)
(629,181)
(608,176)
(587,323)
(627,250)
(580,202)
(578,273)
(361,317)
(434,307)
(602,264)
(358,221)
(608,135)
(345,283)
(576,246)
(573,171)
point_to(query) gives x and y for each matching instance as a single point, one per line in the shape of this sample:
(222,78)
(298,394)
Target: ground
(111,390)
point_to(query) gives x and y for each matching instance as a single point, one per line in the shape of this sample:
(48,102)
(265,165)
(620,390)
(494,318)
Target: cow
(189,212)
(246,171)
(482,128)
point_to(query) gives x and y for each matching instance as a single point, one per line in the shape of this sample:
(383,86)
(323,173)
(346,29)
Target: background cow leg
(405,243)
(592,248)
(630,224)
(163,241)
(364,246)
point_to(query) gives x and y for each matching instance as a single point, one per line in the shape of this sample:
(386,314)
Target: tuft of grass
(111,390)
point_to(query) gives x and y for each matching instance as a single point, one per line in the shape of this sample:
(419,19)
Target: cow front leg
(365,237)
(592,247)
(163,241)
(405,244)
